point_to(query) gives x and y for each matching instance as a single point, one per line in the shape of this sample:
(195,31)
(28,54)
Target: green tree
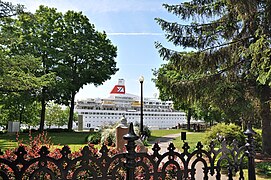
(19,106)
(87,56)
(55,115)
(69,46)
(37,34)
(7,9)
(19,74)
(229,62)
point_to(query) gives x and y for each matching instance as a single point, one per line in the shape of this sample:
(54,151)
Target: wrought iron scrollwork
(131,165)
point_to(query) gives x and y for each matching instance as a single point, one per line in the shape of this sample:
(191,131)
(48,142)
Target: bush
(227,131)
(147,131)
(29,130)
(94,138)
(58,130)
(3,132)
(108,136)
(258,140)
(264,168)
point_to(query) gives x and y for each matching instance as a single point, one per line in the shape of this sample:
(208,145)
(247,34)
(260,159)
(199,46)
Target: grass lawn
(159,133)
(192,138)
(75,140)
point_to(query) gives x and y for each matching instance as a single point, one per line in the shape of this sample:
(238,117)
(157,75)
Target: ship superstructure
(156,113)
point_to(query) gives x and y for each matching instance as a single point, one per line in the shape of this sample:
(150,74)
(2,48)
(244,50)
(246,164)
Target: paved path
(163,144)
(164,141)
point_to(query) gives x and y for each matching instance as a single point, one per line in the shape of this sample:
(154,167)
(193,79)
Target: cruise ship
(97,112)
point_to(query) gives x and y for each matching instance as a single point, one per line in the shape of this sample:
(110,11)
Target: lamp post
(141,80)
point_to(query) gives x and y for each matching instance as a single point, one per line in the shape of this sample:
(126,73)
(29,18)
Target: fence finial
(250,151)
(130,164)
(131,136)
(249,131)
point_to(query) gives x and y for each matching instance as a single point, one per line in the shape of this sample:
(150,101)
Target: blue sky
(130,25)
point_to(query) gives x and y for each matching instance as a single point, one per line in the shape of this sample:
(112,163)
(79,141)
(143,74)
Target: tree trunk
(265,118)
(21,116)
(71,112)
(42,114)
(189,115)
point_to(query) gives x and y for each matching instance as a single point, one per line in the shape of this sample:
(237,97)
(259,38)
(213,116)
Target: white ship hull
(98,112)
(161,120)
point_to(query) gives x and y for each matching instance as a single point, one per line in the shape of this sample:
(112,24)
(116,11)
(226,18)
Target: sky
(130,25)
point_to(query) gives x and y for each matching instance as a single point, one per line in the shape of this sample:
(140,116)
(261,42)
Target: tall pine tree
(229,64)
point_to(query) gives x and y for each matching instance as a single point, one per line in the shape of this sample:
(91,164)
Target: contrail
(135,34)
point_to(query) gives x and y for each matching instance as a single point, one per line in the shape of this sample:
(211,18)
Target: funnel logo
(118,89)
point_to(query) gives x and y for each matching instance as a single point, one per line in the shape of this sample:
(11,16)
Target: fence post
(130,164)
(250,152)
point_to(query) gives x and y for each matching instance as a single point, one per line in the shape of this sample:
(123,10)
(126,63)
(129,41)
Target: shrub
(29,131)
(258,140)
(94,138)
(3,132)
(58,130)
(147,131)
(108,136)
(227,131)
(264,168)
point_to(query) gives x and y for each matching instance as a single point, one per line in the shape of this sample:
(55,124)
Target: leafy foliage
(20,107)
(68,51)
(264,168)
(55,115)
(227,66)
(7,9)
(86,56)
(108,136)
(19,73)
(94,138)
(221,131)
(258,140)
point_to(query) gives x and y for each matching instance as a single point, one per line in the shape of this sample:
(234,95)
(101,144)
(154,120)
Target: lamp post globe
(141,80)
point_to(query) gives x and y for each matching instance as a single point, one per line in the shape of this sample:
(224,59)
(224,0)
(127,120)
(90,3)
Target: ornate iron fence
(132,165)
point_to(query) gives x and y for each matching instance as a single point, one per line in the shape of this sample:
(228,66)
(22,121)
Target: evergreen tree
(228,65)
